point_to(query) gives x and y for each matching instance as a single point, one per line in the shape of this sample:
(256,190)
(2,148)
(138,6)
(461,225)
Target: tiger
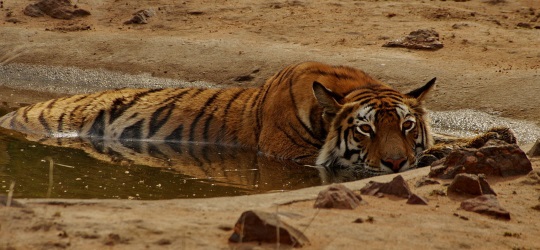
(332,116)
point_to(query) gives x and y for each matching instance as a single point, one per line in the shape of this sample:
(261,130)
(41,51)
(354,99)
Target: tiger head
(374,128)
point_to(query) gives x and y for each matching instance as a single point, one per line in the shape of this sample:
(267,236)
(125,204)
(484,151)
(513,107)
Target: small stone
(338,196)
(486,204)
(13,20)
(244,78)
(470,184)
(465,183)
(163,242)
(359,220)
(459,25)
(419,39)
(533,178)
(262,227)
(141,17)
(369,219)
(113,239)
(33,11)
(60,9)
(147,12)
(415,199)
(225,227)
(80,13)
(426,181)
(437,192)
(484,185)
(196,12)
(398,187)
(461,216)
(535,150)
(137,19)
(525,25)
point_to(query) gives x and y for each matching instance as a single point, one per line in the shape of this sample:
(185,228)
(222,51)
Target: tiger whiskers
(340,173)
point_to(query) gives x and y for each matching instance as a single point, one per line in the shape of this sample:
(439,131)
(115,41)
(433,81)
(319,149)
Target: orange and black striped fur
(312,113)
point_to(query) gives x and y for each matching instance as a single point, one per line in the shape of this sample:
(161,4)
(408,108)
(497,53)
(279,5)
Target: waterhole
(165,170)
(159,171)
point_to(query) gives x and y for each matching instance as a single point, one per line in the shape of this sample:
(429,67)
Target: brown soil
(490,62)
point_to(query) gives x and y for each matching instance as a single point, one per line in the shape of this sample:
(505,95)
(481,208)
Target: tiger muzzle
(394,164)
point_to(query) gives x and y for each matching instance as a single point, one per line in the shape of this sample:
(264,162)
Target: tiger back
(312,113)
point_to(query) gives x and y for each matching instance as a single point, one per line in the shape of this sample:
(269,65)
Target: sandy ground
(490,62)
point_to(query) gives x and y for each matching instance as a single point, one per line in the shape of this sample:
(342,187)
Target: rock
(338,196)
(137,19)
(419,39)
(262,227)
(60,9)
(525,25)
(415,199)
(486,204)
(437,192)
(484,185)
(397,187)
(459,25)
(13,20)
(163,242)
(533,178)
(535,150)
(33,11)
(461,216)
(495,158)
(465,183)
(426,181)
(470,184)
(140,17)
(369,219)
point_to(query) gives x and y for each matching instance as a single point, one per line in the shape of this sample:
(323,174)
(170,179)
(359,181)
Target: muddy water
(165,171)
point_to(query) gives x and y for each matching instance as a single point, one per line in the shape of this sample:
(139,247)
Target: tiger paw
(499,133)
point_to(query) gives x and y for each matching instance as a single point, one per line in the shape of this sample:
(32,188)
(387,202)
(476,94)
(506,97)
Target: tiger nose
(394,164)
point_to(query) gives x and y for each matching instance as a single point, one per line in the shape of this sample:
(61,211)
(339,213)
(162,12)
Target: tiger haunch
(310,112)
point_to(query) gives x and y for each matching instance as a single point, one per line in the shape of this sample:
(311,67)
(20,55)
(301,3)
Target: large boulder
(495,158)
(61,9)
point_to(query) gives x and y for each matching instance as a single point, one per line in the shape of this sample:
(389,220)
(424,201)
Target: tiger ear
(326,98)
(420,93)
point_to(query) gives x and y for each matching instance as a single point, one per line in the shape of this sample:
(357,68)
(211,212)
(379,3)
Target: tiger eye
(407,125)
(365,128)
